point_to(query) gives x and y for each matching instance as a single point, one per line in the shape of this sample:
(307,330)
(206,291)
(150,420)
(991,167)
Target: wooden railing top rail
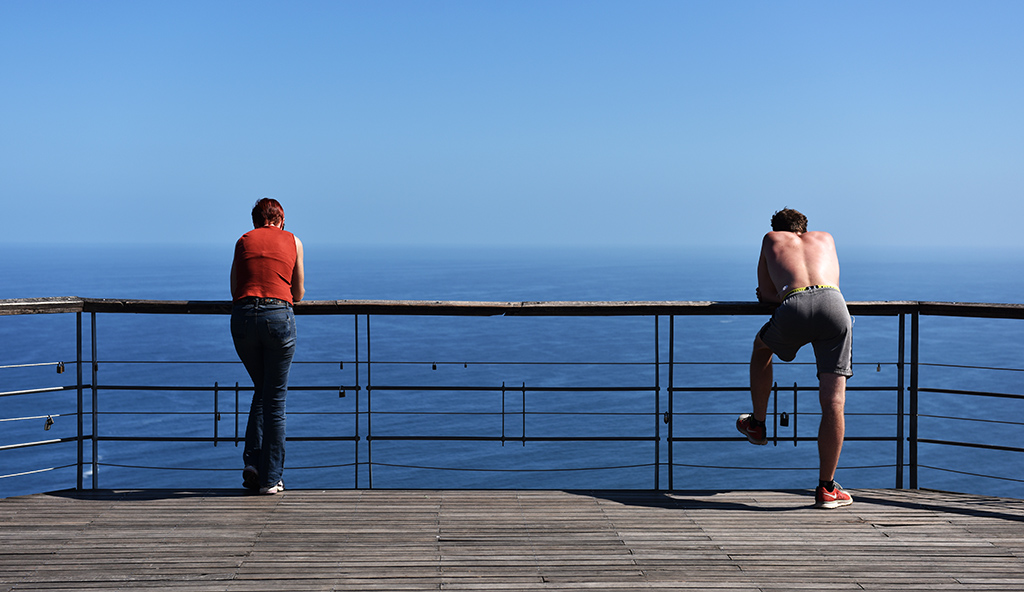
(478,308)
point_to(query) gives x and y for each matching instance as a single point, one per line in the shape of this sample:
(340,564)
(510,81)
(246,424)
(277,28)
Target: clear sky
(478,122)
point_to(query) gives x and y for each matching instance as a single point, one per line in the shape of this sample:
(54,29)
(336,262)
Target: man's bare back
(791,260)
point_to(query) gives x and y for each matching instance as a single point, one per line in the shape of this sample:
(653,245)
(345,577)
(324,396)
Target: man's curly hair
(787,220)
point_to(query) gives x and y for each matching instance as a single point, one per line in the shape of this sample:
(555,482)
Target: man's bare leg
(760,378)
(832,393)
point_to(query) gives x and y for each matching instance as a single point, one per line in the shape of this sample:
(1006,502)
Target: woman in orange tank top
(267,277)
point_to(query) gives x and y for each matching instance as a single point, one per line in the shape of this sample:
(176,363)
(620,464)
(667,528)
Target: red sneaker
(756,435)
(824,498)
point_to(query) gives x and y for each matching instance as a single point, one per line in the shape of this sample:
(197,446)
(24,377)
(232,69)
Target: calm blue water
(465,352)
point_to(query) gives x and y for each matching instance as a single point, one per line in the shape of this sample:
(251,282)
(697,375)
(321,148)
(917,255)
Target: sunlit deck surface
(509,540)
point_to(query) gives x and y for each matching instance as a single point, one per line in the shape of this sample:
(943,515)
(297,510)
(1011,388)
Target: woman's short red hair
(267,211)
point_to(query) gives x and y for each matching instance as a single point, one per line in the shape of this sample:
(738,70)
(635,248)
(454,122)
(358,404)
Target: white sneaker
(273,489)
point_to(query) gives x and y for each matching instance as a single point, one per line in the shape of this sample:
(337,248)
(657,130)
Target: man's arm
(766,290)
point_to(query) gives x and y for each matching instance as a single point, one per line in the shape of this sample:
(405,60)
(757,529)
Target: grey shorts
(817,316)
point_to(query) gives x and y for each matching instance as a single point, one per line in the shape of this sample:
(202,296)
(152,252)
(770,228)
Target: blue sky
(485,123)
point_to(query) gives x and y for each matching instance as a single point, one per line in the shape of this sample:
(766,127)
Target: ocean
(547,353)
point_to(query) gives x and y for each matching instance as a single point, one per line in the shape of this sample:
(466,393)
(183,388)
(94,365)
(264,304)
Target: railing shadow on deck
(635,398)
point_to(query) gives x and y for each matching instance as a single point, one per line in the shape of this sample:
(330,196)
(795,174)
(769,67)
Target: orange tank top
(264,261)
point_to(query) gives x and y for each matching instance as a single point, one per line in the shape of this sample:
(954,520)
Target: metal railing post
(369,409)
(79,478)
(356,448)
(671,395)
(95,406)
(657,406)
(914,352)
(900,403)
(216,412)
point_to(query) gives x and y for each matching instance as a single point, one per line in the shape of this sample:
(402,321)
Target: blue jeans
(264,336)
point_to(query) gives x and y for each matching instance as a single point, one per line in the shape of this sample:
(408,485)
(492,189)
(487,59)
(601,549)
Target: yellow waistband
(805,288)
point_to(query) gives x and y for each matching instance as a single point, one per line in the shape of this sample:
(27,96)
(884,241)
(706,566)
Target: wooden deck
(509,540)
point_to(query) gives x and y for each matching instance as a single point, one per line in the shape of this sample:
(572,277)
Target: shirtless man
(799,271)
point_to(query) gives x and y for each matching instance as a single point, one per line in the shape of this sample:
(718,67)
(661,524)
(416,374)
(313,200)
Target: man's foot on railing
(823,498)
(754,430)
(250,477)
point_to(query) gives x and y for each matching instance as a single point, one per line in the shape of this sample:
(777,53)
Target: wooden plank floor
(509,540)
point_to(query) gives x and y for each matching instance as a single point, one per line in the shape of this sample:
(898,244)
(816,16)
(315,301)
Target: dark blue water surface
(544,354)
